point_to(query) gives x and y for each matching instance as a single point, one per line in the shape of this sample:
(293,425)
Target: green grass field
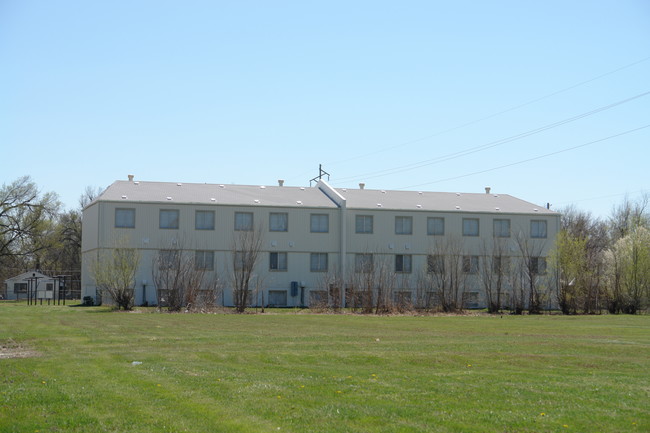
(66,369)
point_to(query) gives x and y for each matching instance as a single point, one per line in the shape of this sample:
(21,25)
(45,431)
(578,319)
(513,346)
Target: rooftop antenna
(321,172)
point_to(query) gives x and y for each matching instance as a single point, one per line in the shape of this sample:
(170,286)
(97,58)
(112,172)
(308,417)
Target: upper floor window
(318,262)
(538,265)
(403,225)
(204,220)
(470,264)
(538,229)
(320,223)
(436,264)
(243,221)
(500,265)
(363,263)
(502,228)
(278,261)
(403,263)
(278,221)
(363,223)
(125,218)
(470,227)
(204,260)
(436,226)
(168,259)
(168,218)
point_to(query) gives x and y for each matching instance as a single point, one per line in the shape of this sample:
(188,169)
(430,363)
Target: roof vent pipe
(281,182)
(362,185)
(487,189)
(131,177)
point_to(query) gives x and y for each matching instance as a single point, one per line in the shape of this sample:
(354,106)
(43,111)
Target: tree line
(37,233)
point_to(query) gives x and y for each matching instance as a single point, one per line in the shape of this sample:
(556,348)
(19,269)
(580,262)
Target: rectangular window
(403,225)
(538,229)
(435,264)
(243,221)
(538,265)
(168,218)
(277,298)
(318,262)
(204,260)
(501,228)
(125,218)
(403,263)
(470,264)
(320,223)
(470,227)
(204,220)
(168,259)
(436,226)
(278,222)
(20,287)
(363,263)
(278,261)
(239,260)
(500,265)
(363,223)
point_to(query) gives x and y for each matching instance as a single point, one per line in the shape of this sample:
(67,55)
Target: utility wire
(629,131)
(490,116)
(489,145)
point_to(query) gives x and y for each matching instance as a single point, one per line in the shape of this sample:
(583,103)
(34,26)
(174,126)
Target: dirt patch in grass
(11,349)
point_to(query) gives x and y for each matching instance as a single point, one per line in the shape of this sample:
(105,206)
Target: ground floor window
(277,298)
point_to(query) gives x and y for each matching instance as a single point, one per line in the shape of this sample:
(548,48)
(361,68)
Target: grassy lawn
(68,369)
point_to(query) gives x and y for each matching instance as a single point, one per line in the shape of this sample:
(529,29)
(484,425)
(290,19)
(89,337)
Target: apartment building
(310,234)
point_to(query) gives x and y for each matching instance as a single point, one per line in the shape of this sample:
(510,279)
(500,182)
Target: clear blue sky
(249,92)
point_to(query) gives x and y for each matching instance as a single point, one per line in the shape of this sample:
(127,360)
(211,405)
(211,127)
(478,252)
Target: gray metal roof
(438,201)
(209,194)
(286,196)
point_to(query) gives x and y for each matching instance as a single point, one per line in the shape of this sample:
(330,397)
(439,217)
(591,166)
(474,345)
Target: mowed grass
(320,373)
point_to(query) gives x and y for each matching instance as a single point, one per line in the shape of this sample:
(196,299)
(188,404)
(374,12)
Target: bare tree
(114,273)
(245,249)
(445,268)
(533,266)
(494,273)
(181,278)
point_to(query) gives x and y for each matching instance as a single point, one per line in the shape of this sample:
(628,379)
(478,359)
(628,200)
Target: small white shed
(30,285)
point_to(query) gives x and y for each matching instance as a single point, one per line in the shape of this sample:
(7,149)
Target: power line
(629,131)
(489,145)
(490,116)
